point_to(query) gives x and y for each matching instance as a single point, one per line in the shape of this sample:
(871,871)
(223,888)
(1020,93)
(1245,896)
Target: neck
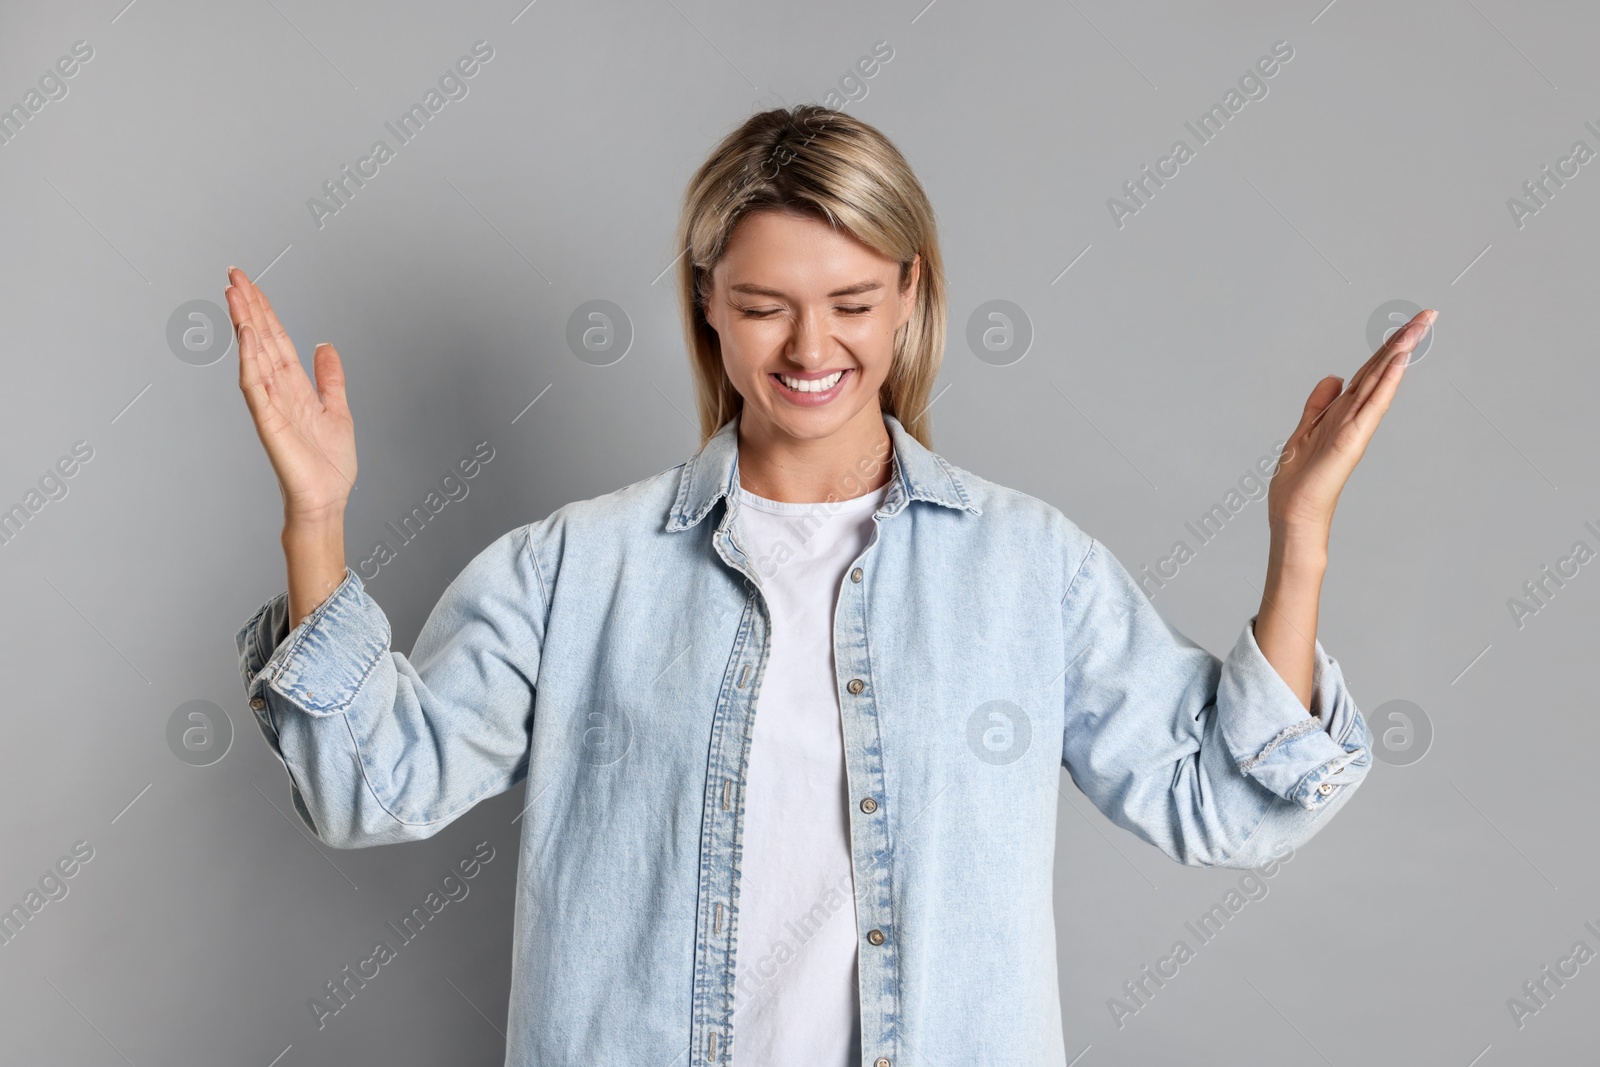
(854,461)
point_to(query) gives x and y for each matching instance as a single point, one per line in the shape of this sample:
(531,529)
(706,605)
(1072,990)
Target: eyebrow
(761,290)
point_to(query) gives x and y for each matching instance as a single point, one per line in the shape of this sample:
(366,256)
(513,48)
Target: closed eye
(762,313)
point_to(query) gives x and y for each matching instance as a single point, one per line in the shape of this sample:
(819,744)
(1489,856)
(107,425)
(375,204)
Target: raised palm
(1335,426)
(307,431)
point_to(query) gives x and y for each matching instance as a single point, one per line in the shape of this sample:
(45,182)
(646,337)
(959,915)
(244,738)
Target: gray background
(1168,359)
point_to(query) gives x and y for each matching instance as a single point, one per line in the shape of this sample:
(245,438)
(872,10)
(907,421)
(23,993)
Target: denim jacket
(607,659)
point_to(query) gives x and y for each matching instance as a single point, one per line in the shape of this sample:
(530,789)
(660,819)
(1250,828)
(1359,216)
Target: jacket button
(855,575)
(881,1061)
(869,805)
(875,936)
(1325,788)
(256,703)
(855,685)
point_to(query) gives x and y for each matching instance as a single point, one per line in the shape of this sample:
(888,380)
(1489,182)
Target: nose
(808,345)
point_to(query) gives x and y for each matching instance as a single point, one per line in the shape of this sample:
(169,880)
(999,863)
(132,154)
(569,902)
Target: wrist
(321,527)
(314,554)
(1302,544)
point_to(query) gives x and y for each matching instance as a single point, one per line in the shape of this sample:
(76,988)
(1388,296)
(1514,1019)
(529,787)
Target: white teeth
(813,385)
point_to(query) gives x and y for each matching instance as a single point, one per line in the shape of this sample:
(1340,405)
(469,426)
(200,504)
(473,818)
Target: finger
(1308,419)
(238,294)
(238,306)
(1397,347)
(241,304)
(1373,406)
(256,303)
(249,373)
(275,329)
(1323,393)
(1401,345)
(253,374)
(274,371)
(330,377)
(1414,328)
(1377,358)
(238,310)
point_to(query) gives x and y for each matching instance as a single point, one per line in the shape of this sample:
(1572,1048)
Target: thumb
(1324,393)
(330,377)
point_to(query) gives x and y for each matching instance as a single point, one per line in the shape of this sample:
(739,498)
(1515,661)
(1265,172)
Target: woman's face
(807,317)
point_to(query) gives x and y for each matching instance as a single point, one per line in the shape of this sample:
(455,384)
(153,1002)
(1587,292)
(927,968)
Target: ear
(908,296)
(706,304)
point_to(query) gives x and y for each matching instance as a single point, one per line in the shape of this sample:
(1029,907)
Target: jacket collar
(919,474)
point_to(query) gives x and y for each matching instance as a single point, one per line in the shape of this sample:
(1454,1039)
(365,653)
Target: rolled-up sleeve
(1214,761)
(381,747)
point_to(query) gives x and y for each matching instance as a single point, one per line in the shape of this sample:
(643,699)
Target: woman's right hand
(307,432)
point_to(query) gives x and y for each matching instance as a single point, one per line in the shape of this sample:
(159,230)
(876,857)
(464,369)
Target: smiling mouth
(811,385)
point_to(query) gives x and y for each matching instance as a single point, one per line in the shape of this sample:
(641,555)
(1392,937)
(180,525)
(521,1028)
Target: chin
(815,428)
(813,425)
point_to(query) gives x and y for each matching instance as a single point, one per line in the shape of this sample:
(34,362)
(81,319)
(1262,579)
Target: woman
(860,873)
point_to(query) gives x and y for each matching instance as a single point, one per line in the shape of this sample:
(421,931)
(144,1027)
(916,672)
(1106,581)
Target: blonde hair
(818,162)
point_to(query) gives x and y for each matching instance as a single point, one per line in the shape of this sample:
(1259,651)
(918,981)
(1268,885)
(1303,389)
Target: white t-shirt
(795,1000)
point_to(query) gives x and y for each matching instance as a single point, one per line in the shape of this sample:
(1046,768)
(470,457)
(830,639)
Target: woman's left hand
(1333,433)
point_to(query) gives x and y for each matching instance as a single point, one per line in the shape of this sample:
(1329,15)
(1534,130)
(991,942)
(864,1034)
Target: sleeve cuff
(321,664)
(1304,758)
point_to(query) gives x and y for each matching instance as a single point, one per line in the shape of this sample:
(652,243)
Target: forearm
(314,552)
(1286,623)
